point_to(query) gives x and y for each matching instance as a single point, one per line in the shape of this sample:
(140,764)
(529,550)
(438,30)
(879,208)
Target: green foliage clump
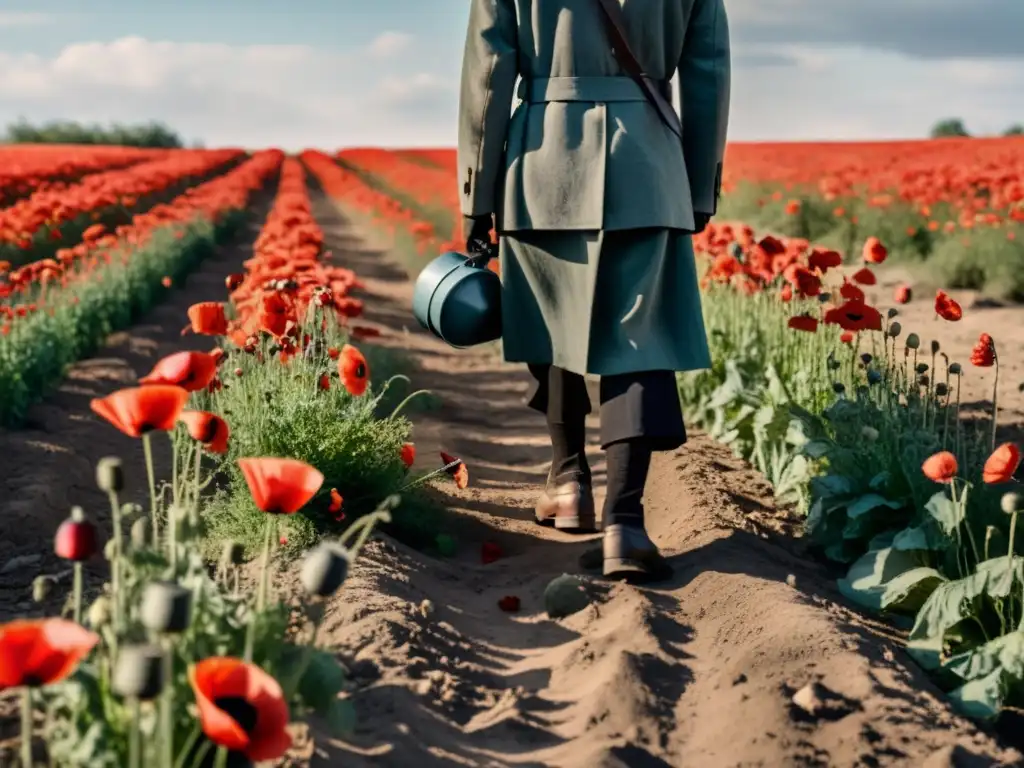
(152,135)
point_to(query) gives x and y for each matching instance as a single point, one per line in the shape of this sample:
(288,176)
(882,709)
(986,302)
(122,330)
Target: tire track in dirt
(697,672)
(50,465)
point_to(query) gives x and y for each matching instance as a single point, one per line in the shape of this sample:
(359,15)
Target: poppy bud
(825,297)
(139,672)
(866,358)
(99,613)
(894,330)
(874,376)
(1012,502)
(41,587)
(893,312)
(838,387)
(935,347)
(110,474)
(913,341)
(941,390)
(955,369)
(140,533)
(923,380)
(869,433)
(76,537)
(324,570)
(166,607)
(921,368)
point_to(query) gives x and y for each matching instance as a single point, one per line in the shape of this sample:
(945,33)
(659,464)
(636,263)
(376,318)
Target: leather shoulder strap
(612,12)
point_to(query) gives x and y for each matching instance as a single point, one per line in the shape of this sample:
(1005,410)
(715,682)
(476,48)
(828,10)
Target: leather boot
(568,506)
(627,552)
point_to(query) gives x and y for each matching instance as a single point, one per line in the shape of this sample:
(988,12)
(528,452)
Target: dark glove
(700,222)
(478,233)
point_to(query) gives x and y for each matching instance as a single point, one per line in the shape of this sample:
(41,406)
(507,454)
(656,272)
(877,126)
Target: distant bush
(1014,130)
(152,135)
(953,126)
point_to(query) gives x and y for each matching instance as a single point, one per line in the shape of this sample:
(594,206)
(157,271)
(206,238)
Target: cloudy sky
(332,73)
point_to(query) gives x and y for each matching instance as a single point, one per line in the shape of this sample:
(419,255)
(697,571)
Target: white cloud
(24,19)
(282,95)
(389,44)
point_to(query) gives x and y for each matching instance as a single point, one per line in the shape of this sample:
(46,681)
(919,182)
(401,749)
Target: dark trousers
(640,413)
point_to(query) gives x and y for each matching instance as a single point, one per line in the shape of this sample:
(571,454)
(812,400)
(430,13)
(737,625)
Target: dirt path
(699,672)
(50,466)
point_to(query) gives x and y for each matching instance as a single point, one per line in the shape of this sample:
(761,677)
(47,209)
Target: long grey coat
(585,153)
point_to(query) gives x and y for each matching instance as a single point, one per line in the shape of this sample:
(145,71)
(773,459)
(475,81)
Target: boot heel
(623,566)
(581,524)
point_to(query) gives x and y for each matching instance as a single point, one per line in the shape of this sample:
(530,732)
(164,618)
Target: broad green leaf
(1001,574)
(817,449)
(341,717)
(1006,651)
(859,518)
(927,652)
(880,481)
(323,680)
(908,591)
(950,603)
(865,582)
(981,698)
(916,538)
(830,485)
(948,515)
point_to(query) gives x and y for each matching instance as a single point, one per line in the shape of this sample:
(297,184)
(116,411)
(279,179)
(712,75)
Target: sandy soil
(698,672)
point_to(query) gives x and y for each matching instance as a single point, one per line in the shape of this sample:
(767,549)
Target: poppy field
(281,435)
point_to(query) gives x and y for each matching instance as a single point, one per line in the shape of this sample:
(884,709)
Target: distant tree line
(954,126)
(153,134)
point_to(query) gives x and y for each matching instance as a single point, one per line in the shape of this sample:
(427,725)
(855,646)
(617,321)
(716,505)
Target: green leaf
(865,581)
(1006,651)
(950,603)
(880,481)
(948,515)
(1001,575)
(817,449)
(918,538)
(830,485)
(908,591)
(981,698)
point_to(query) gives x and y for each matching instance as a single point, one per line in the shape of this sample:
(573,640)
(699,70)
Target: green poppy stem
(147,449)
(407,400)
(190,744)
(167,707)
(115,565)
(135,737)
(222,757)
(77,592)
(26,727)
(995,405)
(261,593)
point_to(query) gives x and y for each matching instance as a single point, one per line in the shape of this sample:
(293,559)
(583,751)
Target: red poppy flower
(946,307)
(335,506)
(207,428)
(233,281)
(354,370)
(208,318)
(803,323)
(38,652)
(864,276)
(902,294)
(280,486)
(786,294)
(490,552)
(983,354)
(166,282)
(408,454)
(806,282)
(458,471)
(241,708)
(855,316)
(1001,465)
(940,467)
(824,260)
(509,603)
(333,353)
(324,382)
(851,292)
(874,252)
(846,337)
(192,371)
(138,410)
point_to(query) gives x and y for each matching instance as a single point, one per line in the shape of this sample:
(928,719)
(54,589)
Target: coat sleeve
(704,83)
(489,71)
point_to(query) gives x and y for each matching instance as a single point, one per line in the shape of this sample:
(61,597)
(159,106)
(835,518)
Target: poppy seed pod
(564,596)
(99,613)
(935,347)
(1012,502)
(941,390)
(892,312)
(874,377)
(955,369)
(110,474)
(76,537)
(913,341)
(232,554)
(140,533)
(139,672)
(166,607)
(325,569)
(921,368)
(838,387)
(894,330)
